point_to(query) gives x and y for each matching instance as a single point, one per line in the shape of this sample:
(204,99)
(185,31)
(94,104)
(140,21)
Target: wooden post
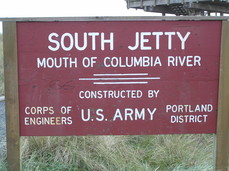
(11,93)
(222,134)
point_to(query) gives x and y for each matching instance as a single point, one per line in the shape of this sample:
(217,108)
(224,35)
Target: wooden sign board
(118,77)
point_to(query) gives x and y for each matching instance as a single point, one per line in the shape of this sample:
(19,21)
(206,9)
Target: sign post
(222,134)
(11,93)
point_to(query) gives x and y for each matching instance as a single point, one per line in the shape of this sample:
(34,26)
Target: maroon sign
(118,77)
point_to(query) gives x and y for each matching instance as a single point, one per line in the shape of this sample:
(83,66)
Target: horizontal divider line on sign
(127,74)
(140,78)
(120,83)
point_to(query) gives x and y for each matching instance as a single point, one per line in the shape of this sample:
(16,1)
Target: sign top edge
(126,18)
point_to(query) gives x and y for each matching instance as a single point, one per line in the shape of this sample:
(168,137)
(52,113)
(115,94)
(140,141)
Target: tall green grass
(117,153)
(3,166)
(122,153)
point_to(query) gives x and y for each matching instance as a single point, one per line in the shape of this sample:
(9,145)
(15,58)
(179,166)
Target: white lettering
(136,42)
(50,38)
(183,39)
(188,61)
(77,42)
(109,41)
(189,108)
(144,40)
(64,62)
(117,115)
(93,39)
(151,112)
(63,41)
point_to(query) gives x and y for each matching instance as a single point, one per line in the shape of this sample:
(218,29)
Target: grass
(113,153)
(3,165)
(117,153)
(122,153)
